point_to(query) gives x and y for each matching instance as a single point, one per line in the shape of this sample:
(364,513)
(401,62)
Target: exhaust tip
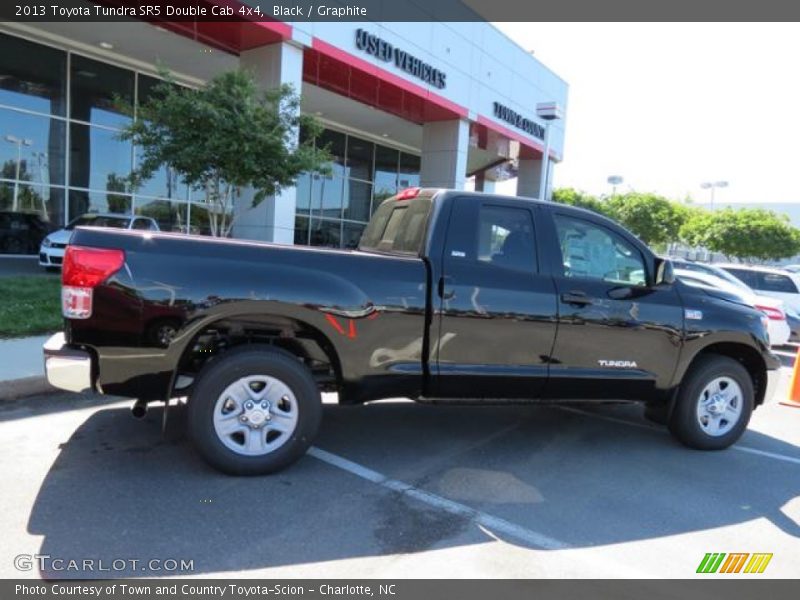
(139,409)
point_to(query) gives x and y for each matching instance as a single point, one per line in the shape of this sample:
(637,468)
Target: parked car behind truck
(450,297)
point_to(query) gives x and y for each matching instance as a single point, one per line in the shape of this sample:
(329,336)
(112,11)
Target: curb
(16,389)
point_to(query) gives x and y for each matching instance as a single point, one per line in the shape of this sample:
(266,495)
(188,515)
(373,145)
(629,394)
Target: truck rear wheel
(255,410)
(714,404)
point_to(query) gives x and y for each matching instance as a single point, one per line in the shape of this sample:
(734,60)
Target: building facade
(403,105)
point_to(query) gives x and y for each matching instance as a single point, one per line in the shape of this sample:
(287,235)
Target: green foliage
(654,219)
(224,137)
(580,199)
(746,233)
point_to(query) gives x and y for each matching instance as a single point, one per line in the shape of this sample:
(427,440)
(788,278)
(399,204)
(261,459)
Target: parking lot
(396,489)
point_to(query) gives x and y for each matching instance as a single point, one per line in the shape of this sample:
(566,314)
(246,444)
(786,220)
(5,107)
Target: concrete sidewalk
(22,367)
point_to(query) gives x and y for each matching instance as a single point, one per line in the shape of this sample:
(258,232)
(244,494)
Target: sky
(670,105)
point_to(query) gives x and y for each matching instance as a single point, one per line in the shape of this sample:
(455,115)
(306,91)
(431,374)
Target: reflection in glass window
(170,216)
(386,165)
(32,148)
(335,143)
(81,202)
(327,195)
(95,90)
(409,171)
(165,183)
(98,160)
(301,230)
(351,234)
(593,252)
(359,158)
(325,232)
(33,76)
(21,231)
(357,200)
(303,193)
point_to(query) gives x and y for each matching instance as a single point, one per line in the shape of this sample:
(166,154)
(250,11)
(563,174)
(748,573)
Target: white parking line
(746,449)
(477,517)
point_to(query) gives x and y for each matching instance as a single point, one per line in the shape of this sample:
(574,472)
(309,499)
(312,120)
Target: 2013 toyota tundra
(450,297)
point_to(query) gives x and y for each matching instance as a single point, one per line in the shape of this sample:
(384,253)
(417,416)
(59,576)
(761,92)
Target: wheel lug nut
(244,418)
(264,405)
(249,405)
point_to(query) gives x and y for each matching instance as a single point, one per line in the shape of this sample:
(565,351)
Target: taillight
(408,193)
(83,269)
(774,314)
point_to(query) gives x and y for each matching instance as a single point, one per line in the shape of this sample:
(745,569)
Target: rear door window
(775,282)
(748,277)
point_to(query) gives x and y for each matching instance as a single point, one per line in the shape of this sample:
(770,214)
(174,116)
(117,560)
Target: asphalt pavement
(397,489)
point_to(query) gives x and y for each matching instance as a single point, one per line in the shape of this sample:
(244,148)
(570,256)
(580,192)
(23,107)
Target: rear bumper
(67,368)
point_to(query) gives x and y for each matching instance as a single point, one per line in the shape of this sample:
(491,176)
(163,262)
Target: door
(496,308)
(618,335)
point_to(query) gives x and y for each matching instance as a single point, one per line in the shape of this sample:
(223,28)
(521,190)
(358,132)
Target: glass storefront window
(326,232)
(335,142)
(27,214)
(359,158)
(96,91)
(33,76)
(327,196)
(351,234)
(170,216)
(31,148)
(84,201)
(98,159)
(357,196)
(409,171)
(301,230)
(164,183)
(386,165)
(303,193)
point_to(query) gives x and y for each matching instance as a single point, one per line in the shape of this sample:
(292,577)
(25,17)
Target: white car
(769,281)
(51,252)
(777,325)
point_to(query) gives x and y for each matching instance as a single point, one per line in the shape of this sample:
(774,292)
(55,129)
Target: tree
(745,233)
(223,138)
(574,197)
(117,202)
(654,219)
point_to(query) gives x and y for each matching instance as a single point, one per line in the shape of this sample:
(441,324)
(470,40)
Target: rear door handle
(578,298)
(444,293)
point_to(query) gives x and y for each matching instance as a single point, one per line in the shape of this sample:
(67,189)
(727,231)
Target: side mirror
(665,272)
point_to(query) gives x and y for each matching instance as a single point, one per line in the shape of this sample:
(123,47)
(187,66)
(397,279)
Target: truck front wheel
(254,411)
(714,404)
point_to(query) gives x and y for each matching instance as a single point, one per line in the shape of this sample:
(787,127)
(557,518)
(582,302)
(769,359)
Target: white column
(528,177)
(445,145)
(273,219)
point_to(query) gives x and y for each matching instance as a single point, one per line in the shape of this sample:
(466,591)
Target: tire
(701,422)
(228,423)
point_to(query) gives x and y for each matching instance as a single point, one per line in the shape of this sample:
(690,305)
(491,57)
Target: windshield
(99,221)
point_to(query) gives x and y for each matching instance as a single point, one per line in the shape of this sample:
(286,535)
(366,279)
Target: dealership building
(403,104)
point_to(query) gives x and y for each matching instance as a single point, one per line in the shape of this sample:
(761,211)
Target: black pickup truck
(451,297)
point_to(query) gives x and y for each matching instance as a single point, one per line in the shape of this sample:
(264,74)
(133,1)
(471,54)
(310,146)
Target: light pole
(614,181)
(712,185)
(20,143)
(548,111)
(41,158)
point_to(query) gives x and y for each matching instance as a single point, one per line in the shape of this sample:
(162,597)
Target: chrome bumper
(67,368)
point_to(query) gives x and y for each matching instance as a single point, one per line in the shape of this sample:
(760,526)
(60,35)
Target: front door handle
(577,298)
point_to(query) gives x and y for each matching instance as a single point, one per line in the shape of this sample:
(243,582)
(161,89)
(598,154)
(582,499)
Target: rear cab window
(775,282)
(398,226)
